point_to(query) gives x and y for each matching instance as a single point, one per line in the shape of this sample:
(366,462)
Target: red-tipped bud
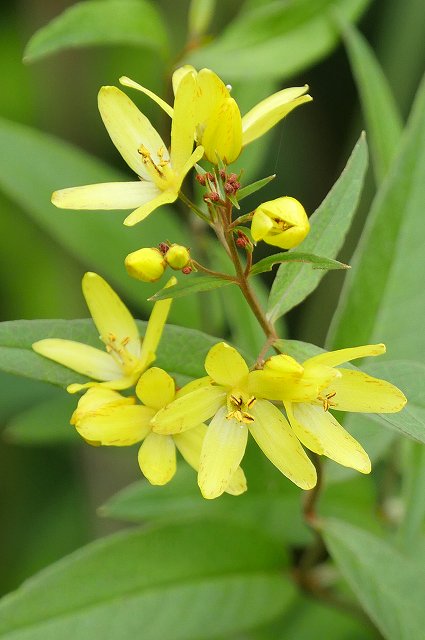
(187,270)
(163,247)
(201,179)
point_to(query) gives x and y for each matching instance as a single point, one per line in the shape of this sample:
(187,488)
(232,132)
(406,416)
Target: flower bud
(282,223)
(145,264)
(177,257)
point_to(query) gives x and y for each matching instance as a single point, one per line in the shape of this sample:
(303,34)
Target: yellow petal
(179,74)
(189,443)
(237,484)
(335,358)
(263,384)
(82,358)
(157,458)
(270,111)
(357,391)
(155,327)
(225,365)
(97,398)
(155,388)
(117,383)
(305,436)
(261,225)
(117,426)
(183,122)
(212,92)
(194,158)
(222,451)
(276,439)
(336,442)
(110,315)
(189,410)
(129,129)
(139,214)
(284,364)
(222,136)
(128,82)
(109,195)
(193,385)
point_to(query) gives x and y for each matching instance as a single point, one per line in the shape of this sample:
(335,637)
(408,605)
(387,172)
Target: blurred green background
(49,495)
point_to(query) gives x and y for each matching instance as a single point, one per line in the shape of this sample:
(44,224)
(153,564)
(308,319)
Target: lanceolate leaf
(182,351)
(384,298)
(388,585)
(317,262)
(329,226)
(95,22)
(255,186)
(168,582)
(384,124)
(282,39)
(192,284)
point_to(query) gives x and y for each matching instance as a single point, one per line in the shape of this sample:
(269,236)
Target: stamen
(326,401)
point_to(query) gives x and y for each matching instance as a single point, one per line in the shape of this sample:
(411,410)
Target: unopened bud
(201,179)
(177,257)
(187,270)
(242,240)
(145,264)
(282,223)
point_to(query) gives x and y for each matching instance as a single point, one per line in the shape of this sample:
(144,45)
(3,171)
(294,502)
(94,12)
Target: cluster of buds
(229,185)
(149,264)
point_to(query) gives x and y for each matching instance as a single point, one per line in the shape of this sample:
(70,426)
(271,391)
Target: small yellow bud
(282,223)
(177,257)
(145,264)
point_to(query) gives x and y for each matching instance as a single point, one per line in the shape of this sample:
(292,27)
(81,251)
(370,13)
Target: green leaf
(282,38)
(46,423)
(388,585)
(95,22)
(318,262)
(181,351)
(409,376)
(383,299)
(383,121)
(98,239)
(244,192)
(169,582)
(190,285)
(413,494)
(329,226)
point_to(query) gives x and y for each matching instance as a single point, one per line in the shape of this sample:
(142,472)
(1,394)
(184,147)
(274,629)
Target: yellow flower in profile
(330,388)
(226,398)
(161,173)
(282,223)
(104,417)
(126,356)
(219,127)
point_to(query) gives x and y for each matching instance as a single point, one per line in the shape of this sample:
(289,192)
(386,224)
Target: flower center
(327,400)
(117,349)
(280,225)
(160,172)
(239,405)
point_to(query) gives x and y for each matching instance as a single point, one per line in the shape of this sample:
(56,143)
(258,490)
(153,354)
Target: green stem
(246,289)
(217,274)
(194,208)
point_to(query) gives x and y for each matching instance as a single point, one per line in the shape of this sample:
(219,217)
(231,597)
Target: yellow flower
(219,127)
(145,264)
(282,223)
(104,417)
(126,357)
(161,173)
(226,397)
(177,257)
(327,387)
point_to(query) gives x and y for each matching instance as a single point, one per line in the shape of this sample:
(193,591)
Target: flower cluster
(285,405)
